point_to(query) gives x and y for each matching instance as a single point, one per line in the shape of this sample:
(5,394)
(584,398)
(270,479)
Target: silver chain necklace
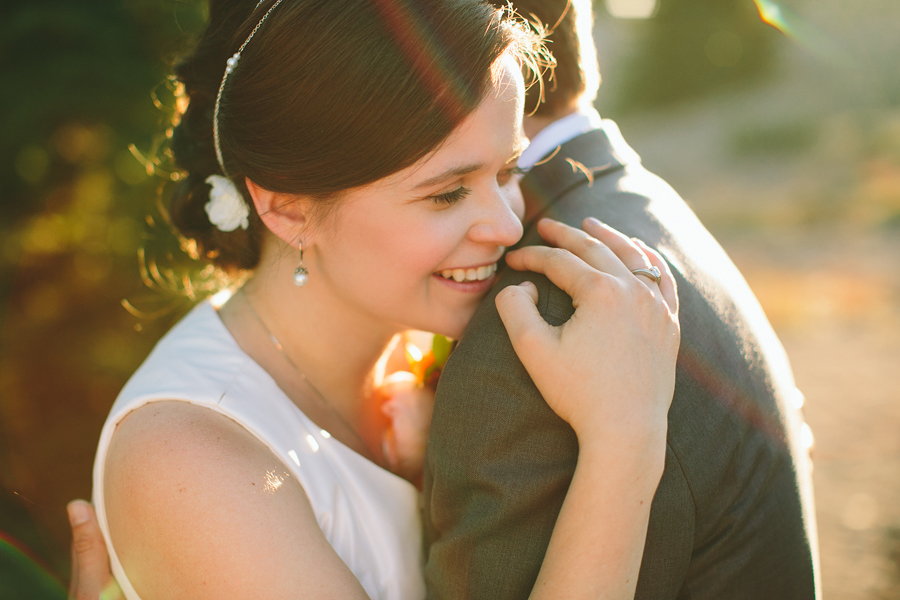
(364,448)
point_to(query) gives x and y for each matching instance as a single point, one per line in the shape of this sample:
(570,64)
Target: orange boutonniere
(408,404)
(427,367)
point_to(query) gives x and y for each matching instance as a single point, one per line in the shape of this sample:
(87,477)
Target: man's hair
(576,77)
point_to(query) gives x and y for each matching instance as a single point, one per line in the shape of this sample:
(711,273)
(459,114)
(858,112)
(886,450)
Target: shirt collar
(558,133)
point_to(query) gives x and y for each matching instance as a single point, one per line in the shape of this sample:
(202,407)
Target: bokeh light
(631,9)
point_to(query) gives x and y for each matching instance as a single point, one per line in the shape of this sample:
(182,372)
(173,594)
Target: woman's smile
(471,280)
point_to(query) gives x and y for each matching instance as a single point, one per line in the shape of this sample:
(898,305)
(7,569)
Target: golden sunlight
(631,9)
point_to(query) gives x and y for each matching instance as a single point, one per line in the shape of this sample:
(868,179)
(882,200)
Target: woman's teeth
(460,275)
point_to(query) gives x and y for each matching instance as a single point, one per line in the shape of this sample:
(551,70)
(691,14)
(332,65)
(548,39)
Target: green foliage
(691,48)
(88,63)
(774,139)
(85,104)
(23,578)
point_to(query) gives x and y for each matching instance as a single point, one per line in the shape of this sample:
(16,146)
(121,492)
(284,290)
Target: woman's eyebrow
(471,168)
(449,174)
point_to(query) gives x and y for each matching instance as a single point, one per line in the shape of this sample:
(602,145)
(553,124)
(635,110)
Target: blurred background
(778,122)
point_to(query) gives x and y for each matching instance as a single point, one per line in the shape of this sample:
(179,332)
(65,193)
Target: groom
(733,515)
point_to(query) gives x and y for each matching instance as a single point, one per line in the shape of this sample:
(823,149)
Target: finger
(666,283)
(588,248)
(90,562)
(624,247)
(569,272)
(517,306)
(632,251)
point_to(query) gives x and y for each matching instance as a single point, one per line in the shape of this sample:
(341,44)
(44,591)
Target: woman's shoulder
(194,361)
(180,448)
(170,464)
(191,494)
(199,363)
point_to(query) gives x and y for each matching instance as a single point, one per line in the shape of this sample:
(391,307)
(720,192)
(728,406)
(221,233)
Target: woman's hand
(610,370)
(408,405)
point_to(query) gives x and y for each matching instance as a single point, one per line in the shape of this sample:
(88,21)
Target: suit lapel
(577,162)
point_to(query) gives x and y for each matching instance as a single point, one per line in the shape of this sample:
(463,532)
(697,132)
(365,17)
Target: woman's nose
(501,223)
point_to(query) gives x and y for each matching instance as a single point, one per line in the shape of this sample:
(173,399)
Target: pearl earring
(301,275)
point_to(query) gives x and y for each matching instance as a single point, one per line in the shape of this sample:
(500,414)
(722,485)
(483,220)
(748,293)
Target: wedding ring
(651,273)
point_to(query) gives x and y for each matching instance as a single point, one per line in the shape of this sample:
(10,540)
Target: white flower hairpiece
(226,209)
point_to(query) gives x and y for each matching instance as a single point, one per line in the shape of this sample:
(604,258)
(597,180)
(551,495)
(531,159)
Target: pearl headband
(226,209)
(230,64)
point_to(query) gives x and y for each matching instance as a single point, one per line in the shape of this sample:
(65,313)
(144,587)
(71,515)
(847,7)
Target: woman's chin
(447,318)
(453,333)
(453,326)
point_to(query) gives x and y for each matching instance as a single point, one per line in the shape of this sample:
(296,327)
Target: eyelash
(507,175)
(454,196)
(451,197)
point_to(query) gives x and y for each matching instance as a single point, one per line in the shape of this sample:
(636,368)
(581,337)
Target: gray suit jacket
(733,515)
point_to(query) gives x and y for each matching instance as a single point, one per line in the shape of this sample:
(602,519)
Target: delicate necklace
(364,448)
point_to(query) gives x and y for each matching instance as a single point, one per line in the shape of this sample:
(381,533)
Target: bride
(359,157)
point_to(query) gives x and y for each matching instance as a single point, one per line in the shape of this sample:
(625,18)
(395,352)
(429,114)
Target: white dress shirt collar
(558,133)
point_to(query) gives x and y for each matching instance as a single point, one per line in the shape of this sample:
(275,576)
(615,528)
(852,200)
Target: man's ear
(283,214)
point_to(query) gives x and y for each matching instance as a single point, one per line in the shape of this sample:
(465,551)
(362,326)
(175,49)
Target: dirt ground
(816,232)
(833,298)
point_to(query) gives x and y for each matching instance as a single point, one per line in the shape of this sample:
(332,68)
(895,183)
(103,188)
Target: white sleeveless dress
(369,515)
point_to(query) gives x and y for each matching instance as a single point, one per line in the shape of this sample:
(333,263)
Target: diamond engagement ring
(651,273)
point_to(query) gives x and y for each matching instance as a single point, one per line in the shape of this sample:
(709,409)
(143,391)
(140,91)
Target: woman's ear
(283,214)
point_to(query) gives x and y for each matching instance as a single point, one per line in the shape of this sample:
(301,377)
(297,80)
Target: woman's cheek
(434,249)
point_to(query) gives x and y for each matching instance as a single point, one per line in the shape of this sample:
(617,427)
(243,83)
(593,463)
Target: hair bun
(193,148)
(229,250)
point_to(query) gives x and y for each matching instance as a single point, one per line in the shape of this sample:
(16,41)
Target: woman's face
(419,248)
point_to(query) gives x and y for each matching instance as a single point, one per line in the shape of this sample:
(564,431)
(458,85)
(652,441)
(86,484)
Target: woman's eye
(451,197)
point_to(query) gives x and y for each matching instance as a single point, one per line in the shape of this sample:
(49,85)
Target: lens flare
(772,14)
(803,33)
(411,31)
(24,575)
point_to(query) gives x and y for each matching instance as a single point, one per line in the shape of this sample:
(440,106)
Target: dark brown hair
(327,96)
(568,36)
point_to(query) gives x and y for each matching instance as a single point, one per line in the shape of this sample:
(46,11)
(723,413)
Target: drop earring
(301,275)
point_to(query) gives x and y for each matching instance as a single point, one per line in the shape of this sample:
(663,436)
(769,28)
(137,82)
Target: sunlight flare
(803,33)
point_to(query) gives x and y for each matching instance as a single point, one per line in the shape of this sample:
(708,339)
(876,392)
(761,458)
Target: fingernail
(527,284)
(79,512)
(595,221)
